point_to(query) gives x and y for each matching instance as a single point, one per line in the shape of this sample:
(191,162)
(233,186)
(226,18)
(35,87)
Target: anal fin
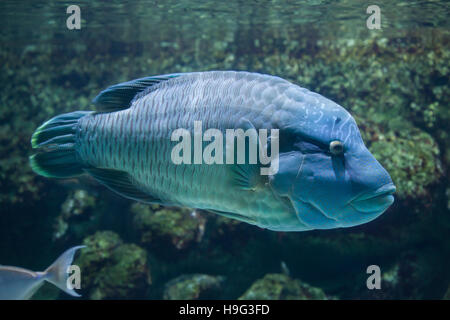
(232,215)
(121,183)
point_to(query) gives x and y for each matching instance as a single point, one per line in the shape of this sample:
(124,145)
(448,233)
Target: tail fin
(57,272)
(55,141)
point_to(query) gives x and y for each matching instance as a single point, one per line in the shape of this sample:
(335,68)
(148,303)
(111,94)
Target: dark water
(394,80)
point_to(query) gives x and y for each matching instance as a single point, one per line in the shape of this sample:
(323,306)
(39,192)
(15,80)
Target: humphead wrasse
(323,175)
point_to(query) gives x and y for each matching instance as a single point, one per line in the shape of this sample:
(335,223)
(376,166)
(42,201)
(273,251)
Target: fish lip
(384,190)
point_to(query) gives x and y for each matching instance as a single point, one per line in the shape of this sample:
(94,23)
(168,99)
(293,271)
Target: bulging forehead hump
(313,116)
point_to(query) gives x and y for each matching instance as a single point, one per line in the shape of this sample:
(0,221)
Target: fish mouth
(375,201)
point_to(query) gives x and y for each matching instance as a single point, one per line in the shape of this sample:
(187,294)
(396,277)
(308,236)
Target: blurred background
(394,80)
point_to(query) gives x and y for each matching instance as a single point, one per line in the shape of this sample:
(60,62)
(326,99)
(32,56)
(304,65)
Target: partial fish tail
(54,142)
(58,274)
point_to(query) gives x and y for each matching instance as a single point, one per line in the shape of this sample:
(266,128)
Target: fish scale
(127,146)
(147,109)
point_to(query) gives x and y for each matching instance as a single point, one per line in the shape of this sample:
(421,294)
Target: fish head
(328,175)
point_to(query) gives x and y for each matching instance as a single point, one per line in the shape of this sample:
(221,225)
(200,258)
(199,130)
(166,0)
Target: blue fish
(322,177)
(19,284)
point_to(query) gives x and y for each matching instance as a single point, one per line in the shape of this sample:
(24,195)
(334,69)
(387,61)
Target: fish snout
(375,201)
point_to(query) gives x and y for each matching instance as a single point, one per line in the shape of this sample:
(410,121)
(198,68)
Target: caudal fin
(57,272)
(54,142)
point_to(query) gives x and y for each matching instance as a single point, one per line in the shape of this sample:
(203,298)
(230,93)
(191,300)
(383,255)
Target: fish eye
(336,147)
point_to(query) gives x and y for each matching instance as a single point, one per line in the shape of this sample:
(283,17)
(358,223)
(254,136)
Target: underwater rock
(126,276)
(99,248)
(276,286)
(77,203)
(112,269)
(193,286)
(161,227)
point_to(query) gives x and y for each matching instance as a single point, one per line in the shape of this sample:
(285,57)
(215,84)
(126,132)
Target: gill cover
(286,184)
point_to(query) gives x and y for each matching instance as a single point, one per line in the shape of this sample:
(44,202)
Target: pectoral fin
(246,176)
(289,167)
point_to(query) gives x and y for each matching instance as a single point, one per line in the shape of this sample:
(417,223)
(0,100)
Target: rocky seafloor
(397,88)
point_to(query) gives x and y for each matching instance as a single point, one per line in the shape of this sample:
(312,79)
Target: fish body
(128,146)
(19,283)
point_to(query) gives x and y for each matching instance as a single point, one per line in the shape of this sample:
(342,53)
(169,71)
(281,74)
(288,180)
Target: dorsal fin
(119,96)
(121,183)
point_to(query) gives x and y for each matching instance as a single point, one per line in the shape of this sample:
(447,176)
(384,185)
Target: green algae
(166,226)
(112,269)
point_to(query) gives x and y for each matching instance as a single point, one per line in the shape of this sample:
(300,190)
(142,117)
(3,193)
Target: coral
(275,286)
(112,269)
(158,226)
(193,286)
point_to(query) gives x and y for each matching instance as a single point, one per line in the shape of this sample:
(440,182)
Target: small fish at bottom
(19,284)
